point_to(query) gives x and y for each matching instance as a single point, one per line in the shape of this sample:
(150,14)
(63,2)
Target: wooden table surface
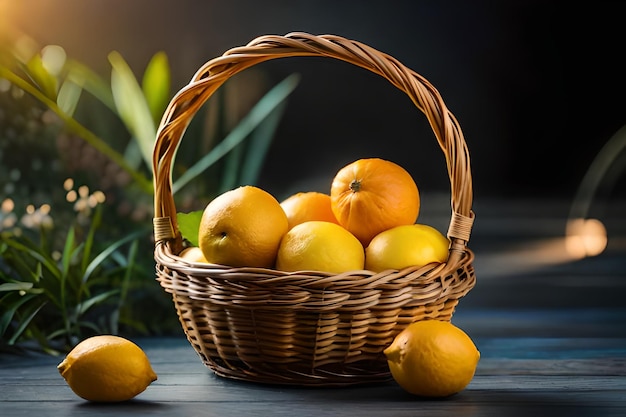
(552,339)
(517,375)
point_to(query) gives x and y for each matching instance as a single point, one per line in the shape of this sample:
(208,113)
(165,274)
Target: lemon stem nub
(63,367)
(392,353)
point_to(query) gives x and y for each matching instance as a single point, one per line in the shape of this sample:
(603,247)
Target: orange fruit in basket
(432,358)
(408,245)
(242,227)
(371,195)
(306,206)
(319,246)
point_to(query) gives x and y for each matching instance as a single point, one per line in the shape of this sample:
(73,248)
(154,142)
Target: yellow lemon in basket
(242,227)
(306,206)
(432,358)
(107,368)
(403,246)
(320,246)
(193,254)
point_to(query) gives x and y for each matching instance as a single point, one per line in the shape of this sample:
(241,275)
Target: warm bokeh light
(585,237)
(7,205)
(83,191)
(71,196)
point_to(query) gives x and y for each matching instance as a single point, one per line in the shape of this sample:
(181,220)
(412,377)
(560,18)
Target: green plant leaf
(132,106)
(68,97)
(89,240)
(232,167)
(91,82)
(128,270)
(16,286)
(259,144)
(102,256)
(257,114)
(11,307)
(25,321)
(43,80)
(27,249)
(95,300)
(156,85)
(31,263)
(188,224)
(68,250)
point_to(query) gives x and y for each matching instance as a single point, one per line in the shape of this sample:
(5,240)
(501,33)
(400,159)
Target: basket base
(362,373)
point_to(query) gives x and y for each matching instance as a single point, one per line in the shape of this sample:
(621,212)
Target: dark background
(538,86)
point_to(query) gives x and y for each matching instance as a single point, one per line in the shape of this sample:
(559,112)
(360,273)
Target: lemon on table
(319,246)
(242,227)
(432,358)
(404,246)
(107,368)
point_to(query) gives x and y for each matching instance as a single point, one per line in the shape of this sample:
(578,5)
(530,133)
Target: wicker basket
(307,328)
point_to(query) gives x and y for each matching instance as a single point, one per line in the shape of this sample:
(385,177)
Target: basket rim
(166,255)
(210,76)
(250,288)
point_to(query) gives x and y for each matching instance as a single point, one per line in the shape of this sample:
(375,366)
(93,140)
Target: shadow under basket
(307,328)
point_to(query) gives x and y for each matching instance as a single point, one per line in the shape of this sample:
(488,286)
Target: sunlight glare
(585,237)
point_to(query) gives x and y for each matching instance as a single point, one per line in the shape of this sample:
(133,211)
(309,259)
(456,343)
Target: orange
(432,358)
(242,227)
(371,195)
(319,246)
(408,245)
(305,206)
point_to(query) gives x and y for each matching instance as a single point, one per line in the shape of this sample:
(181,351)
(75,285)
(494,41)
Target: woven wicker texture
(307,328)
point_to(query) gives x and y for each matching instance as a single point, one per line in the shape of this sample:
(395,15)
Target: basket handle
(215,72)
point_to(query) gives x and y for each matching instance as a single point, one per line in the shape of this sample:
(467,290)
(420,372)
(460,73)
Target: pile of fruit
(366,221)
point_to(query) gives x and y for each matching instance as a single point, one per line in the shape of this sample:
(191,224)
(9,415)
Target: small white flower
(8,219)
(84,202)
(38,218)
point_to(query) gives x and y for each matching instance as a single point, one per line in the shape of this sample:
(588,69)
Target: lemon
(242,227)
(319,246)
(107,368)
(404,246)
(432,358)
(192,254)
